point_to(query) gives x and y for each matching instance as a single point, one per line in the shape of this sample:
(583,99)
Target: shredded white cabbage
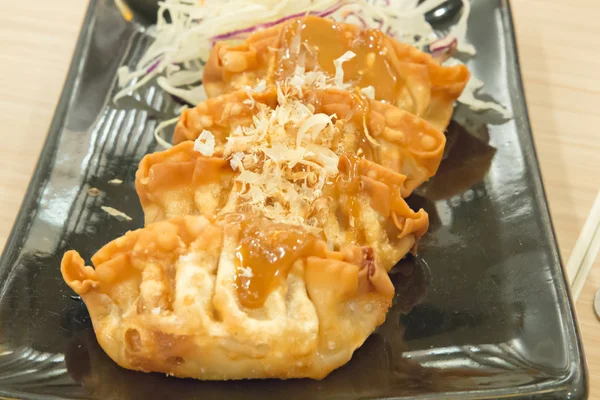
(160,129)
(182,42)
(120,215)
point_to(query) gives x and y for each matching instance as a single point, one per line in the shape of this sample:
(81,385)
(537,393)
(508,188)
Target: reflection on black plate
(483,312)
(467,159)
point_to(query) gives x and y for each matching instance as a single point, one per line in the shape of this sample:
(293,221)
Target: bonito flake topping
(284,159)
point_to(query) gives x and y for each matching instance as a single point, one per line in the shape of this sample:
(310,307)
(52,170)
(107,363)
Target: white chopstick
(585,251)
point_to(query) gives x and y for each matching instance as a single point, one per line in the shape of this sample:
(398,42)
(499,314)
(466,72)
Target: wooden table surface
(559,46)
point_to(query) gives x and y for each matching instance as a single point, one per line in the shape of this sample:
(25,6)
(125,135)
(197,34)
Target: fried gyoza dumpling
(360,204)
(381,132)
(312,51)
(230,299)
(180,181)
(221,115)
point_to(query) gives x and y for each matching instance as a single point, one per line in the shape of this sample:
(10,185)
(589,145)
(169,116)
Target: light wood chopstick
(585,251)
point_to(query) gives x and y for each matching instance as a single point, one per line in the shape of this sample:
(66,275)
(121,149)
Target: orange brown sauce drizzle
(265,254)
(346,190)
(267,251)
(362,119)
(323,41)
(359,114)
(348,187)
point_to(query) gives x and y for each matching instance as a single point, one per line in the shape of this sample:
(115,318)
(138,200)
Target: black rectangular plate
(482,312)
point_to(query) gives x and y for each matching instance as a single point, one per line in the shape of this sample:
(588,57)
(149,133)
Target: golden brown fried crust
(171,297)
(180,181)
(429,89)
(220,115)
(407,144)
(163,299)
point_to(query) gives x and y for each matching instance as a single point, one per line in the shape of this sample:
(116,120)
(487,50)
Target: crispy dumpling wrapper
(166,298)
(180,181)
(273,222)
(361,205)
(313,51)
(380,131)
(221,115)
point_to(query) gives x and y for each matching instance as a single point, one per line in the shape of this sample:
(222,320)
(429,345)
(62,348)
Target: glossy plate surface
(482,312)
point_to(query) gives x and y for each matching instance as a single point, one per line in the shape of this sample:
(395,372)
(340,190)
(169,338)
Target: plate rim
(574,385)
